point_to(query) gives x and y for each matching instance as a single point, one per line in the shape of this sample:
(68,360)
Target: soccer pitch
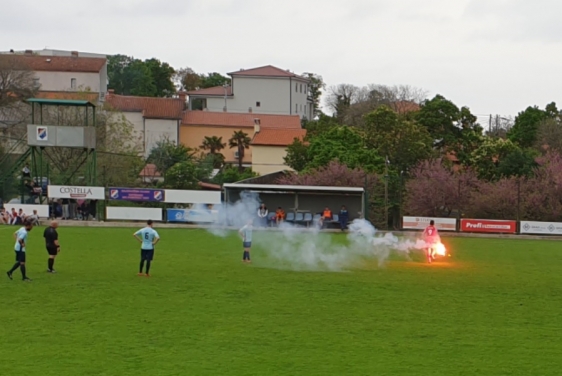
(494,308)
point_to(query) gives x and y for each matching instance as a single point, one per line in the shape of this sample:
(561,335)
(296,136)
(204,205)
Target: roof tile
(278,137)
(60,63)
(242,120)
(151,108)
(266,71)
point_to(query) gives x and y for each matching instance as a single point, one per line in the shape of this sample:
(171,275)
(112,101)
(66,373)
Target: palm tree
(241,141)
(213,143)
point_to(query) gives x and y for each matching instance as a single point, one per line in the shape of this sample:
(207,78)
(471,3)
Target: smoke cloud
(296,248)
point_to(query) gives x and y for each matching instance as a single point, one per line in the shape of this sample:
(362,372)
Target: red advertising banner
(489,226)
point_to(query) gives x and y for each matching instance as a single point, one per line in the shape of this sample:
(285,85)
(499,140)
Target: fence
(488,226)
(162,200)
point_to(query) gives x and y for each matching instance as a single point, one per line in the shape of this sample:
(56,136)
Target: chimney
(257,126)
(250,109)
(182,95)
(110,91)
(74,53)
(28,52)
(11,51)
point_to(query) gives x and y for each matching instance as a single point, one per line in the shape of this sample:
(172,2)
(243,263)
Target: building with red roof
(263,90)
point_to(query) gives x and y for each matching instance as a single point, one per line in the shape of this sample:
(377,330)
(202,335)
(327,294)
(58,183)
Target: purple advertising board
(136,194)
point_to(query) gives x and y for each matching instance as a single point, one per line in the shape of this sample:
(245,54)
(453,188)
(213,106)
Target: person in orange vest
(279,215)
(326,216)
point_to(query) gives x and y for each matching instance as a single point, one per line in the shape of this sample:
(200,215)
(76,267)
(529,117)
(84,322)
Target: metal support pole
(386,191)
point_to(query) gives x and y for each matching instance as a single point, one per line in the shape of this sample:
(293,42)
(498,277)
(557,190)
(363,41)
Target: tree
(214,79)
(16,85)
(524,131)
(297,155)
(403,99)
(187,174)
(494,200)
(334,174)
(316,86)
(230,174)
(341,97)
(130,76)
(486,158)
(162,75)
(520,163)
(343,144)
(214,145)
(404,142)
(439,116)
(549,135)
(187,79)
(166,154)
(241,142)
(435,190)
(320,125)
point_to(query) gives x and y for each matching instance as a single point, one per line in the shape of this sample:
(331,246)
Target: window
(73,83)
(301,88)
(296,108)
(296,87)
(258,104)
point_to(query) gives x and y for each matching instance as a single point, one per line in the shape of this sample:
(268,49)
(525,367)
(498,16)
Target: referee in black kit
(52,242)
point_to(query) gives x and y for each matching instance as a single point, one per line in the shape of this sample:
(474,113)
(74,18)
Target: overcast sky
(494,56)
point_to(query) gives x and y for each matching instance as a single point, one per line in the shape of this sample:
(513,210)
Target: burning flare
(440,249)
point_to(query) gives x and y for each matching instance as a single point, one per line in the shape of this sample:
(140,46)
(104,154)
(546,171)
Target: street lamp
(225,86)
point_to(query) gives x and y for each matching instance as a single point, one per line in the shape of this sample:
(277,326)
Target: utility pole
(225,86)
(386,162)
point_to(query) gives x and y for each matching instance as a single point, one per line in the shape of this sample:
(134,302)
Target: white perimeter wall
(133,214)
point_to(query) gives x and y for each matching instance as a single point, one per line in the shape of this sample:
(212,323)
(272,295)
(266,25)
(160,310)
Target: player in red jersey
(431,237)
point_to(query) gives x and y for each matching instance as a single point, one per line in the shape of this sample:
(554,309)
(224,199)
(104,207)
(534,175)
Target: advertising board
(137,194)
(541,228)
(489,226)
(420,223)
(75,192)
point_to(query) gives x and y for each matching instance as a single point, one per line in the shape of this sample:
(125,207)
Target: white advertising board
(546,228)
(192,197)
(42,210)
(133,214)
(420,223)
(76,193)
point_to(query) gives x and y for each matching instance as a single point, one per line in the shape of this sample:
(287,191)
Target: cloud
(495,56)
(517,20)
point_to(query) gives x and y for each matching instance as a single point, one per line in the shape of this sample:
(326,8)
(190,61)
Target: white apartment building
(153,119)
(66,71)
(263,90)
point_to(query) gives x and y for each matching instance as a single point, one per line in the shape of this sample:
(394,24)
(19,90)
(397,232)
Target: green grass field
(494,308)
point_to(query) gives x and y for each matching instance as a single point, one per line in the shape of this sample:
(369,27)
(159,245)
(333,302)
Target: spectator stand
(303,205)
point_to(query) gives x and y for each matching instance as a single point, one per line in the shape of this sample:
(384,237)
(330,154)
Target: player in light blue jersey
(148,237)
(21,242)
(246,234)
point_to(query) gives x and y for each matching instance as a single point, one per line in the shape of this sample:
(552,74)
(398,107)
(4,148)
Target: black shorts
(52,250)
(20,256)
(147,254)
